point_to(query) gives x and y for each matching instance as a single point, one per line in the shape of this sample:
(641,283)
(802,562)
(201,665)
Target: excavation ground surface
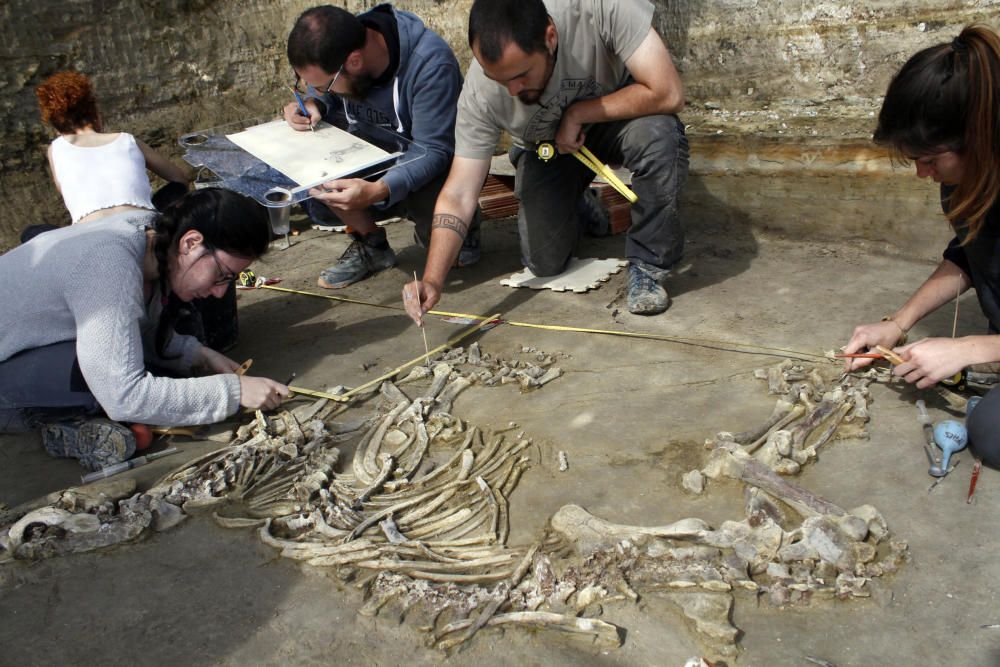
(632,416)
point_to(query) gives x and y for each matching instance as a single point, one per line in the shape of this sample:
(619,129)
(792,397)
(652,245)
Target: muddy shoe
(365,256)
(95,442)
(646,295)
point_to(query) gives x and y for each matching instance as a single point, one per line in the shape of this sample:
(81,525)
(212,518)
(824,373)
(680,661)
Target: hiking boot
(646,295)
(95,442)
(594,218)
(365,256)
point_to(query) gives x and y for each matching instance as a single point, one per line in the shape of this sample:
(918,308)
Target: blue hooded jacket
(419,102)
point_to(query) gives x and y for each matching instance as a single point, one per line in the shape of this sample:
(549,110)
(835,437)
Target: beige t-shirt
(596,37)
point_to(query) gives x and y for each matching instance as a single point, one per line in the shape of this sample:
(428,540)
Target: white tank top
(98,177)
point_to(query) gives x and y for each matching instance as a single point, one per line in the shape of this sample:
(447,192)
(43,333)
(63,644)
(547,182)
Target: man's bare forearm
(633,101)
(453,212)
(447,234)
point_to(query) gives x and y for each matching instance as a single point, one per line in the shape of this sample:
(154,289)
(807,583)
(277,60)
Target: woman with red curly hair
(98,173)
(102,175)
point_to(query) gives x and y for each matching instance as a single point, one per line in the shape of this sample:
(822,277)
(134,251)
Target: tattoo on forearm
(446,221)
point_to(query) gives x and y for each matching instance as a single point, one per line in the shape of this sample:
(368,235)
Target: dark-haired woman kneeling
(942,111)
(82,315)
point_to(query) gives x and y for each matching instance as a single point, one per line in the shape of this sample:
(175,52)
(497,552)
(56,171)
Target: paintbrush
(422,329)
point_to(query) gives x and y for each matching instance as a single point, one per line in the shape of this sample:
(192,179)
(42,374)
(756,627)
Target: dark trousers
(653,148)
(45,380)
(214,322)
(984,428)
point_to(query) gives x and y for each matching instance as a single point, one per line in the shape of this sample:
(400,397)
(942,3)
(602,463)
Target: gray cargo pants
(653,148)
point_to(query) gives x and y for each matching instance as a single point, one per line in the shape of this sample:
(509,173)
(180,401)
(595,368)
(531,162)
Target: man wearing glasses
(385,68)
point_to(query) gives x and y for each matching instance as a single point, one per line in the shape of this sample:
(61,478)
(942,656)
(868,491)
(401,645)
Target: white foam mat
(580,276)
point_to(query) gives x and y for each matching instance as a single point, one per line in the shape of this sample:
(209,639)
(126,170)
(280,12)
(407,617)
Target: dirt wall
(781,94)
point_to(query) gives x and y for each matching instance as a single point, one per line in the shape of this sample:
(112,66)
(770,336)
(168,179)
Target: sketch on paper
(310,158)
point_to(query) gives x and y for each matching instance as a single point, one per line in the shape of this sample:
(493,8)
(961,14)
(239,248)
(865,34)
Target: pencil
(302,108)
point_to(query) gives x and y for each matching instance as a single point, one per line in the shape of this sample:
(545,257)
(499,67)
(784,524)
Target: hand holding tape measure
(546,151)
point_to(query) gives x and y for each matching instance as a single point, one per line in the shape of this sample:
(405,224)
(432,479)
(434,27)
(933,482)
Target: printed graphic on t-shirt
(544,124)
(358,112)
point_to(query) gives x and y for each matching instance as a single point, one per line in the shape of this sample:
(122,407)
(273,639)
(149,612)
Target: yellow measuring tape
(727,346)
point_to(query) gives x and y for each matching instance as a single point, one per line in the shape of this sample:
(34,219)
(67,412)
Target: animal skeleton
(420,513)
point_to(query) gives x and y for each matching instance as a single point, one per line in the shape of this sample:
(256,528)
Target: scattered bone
(563,462)
(165,515)
(710,613)
(693,482)
(50,516)
(474,356)
(549,376)
(447,397)
(811,410)
(422,512)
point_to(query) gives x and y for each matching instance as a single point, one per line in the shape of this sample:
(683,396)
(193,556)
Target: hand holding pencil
(301,114)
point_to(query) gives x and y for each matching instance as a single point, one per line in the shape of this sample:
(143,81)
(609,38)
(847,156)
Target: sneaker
(365,256)
(95,442)
(594,218)
(646,296)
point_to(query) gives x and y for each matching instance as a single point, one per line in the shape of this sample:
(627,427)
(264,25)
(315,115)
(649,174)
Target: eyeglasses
(226,276)
(303,88)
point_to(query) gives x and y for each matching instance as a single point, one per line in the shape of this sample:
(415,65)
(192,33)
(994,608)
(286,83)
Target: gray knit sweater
(85,282)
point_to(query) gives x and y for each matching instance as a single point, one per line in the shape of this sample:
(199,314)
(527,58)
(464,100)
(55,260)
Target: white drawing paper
(309,158)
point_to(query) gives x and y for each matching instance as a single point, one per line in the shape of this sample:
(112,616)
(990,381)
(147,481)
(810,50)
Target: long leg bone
(739,466)
(605,634)
(589,533)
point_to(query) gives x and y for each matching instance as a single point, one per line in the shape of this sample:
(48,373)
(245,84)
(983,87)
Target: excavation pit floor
(630,414)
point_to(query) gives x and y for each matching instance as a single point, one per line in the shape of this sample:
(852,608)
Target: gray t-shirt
(596,37)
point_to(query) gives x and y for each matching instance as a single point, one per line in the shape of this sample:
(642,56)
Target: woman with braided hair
(86,319)
(942,111)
